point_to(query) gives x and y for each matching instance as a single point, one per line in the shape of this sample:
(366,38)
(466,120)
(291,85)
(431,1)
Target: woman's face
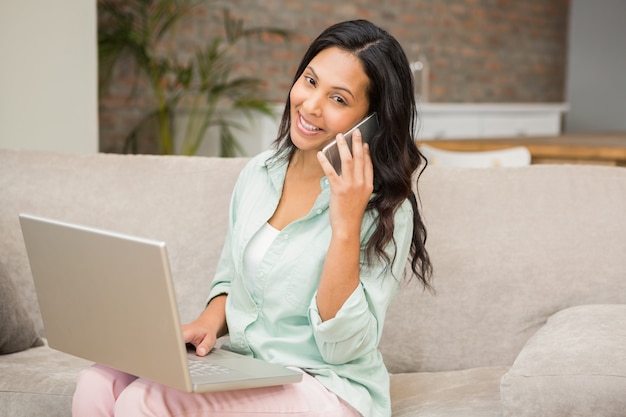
(330,97)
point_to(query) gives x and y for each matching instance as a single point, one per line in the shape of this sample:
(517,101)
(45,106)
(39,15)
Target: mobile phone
(368,128)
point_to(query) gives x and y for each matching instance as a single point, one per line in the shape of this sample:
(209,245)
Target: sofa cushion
(468,393)
(38,382)
(510,247)
(575,366)
(17,329)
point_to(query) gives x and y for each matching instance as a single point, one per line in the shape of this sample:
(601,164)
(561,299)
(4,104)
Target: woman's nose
(313,103)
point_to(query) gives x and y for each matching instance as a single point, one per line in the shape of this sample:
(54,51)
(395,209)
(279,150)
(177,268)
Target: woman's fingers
(327,167)
(356,165)
(199,337)
(361,157)
(368,166)
(345,155)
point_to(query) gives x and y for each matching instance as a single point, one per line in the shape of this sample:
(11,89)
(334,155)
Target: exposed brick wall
(478,50)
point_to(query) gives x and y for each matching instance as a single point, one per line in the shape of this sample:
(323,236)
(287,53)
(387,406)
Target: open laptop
(109,298)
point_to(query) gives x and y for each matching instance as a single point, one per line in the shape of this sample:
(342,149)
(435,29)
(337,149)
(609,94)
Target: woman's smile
(306,127)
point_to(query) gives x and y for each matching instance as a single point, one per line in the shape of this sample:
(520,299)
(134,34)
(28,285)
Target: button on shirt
(279,321)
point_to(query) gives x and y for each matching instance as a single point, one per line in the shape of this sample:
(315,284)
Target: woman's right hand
(211,324)
(198,335)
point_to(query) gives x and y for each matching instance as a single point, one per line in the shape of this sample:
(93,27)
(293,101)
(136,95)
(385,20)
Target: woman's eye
(339,100)
(309,80)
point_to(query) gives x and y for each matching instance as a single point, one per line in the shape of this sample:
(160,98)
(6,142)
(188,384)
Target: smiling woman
(329,98)
(313,258)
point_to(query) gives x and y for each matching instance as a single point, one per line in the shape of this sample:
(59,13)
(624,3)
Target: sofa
(528,316)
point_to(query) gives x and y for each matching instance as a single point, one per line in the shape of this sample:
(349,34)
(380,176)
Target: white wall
(596,81)
(48,75)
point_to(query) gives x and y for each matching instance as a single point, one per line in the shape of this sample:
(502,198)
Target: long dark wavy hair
(394,154)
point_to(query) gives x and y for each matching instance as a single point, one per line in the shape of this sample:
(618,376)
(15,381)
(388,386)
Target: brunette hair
(395,155)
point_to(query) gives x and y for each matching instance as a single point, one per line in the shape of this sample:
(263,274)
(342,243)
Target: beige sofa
(529,318)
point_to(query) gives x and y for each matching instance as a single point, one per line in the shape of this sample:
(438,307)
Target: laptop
(109,298)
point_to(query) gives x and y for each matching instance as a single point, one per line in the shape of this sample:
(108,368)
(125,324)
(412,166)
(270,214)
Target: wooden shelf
(600,149)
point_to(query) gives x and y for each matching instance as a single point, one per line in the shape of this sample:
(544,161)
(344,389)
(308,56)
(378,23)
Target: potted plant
(202,86)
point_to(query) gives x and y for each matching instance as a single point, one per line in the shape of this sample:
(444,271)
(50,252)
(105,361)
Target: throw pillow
(575,365)
(17,329)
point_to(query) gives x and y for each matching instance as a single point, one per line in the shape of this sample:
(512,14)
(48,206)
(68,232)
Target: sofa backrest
(180,200)
(510,247)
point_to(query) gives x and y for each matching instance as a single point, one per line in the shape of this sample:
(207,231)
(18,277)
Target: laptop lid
(109,298)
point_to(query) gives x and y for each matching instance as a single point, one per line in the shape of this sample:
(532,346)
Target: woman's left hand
(350,191)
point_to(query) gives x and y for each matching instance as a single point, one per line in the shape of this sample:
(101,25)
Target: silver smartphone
(368,128)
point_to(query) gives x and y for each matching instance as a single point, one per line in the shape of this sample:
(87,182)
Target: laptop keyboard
(201,368)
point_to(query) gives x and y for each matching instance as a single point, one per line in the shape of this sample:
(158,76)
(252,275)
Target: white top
(253,255)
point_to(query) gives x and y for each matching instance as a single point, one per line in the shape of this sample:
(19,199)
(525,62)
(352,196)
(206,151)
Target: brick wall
(477,50)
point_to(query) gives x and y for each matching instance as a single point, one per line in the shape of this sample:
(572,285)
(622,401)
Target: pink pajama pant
(102,391)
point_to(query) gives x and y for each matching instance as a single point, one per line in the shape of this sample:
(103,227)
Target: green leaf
(205,85)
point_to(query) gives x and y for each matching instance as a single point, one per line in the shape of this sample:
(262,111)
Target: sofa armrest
(575,365)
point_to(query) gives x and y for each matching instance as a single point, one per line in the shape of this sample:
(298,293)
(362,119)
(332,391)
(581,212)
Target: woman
(312,259)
